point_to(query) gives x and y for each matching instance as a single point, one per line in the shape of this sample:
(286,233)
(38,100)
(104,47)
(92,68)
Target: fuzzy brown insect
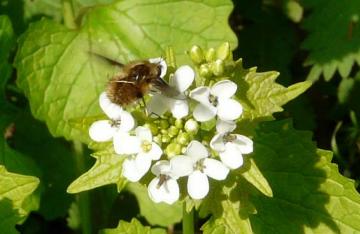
(135,80)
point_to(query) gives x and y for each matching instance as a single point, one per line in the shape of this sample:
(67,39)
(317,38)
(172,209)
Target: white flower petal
(229,109)
(112,110)
(127,122)
(183,78)
(198,185)
(161,167)
(217,142)
(168,192)
(225,126)
(215,169)
(155,152)
(101,131)
(162,63)
(153,191)
(135,169)
(143,133)
(181,166)
(143,164)
(244,143)
(157,105)
(201,94)
(196,151)
(126,144)
(204,113)
(179,108)
(224,89)
(232,156)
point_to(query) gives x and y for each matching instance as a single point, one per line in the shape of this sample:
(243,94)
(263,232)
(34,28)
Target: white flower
(199,167)
(231,147)
(216,101)
(162,64)
(181,81)
(140,151)
(164,187)
(119,121)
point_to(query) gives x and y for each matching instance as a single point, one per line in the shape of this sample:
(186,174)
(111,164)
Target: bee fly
(135,80)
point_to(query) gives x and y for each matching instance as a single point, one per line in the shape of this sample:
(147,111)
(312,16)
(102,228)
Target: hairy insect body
(134,82)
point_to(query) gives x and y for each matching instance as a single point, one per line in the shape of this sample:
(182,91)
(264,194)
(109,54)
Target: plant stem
(83,199)
(68,13)
(188,221)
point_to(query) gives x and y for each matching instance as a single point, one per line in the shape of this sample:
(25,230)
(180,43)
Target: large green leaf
(310,195)
(106,170)
(261,96)
(62,79)
(228,206)
(165,214)
(333,40)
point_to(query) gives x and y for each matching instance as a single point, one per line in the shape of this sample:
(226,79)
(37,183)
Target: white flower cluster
(196,161)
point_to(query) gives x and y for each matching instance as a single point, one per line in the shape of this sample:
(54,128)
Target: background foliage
(44,68)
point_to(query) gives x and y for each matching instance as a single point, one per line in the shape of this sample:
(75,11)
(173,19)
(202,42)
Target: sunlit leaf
(62,79)
(106,170)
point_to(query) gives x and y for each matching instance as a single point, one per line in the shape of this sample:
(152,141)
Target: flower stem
(188,221)
(68,13)
(83,199)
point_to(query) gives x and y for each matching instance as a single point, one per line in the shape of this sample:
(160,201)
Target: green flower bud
(197,55)
(165,139)
(183,138)
(223,51)
(157,139)
(153,128)
(210,55)
(164,132)
(173,131)
(179,123)
(205,71)
(172,150)
(164,124)
(217,67)
(191,126)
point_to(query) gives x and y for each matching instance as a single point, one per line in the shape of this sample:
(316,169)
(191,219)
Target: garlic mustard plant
(188,138)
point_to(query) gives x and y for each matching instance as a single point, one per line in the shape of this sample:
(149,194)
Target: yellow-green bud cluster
(211,62)
(173,134)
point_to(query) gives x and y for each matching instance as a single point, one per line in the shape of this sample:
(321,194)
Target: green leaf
(41,8)
(7,40)
(16,187)
(310,195)
(134,227)
(9,217)
(333,39)
(54,69)
(229,207)
(254,176)
(261,97)
(165,214)
(106,170)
